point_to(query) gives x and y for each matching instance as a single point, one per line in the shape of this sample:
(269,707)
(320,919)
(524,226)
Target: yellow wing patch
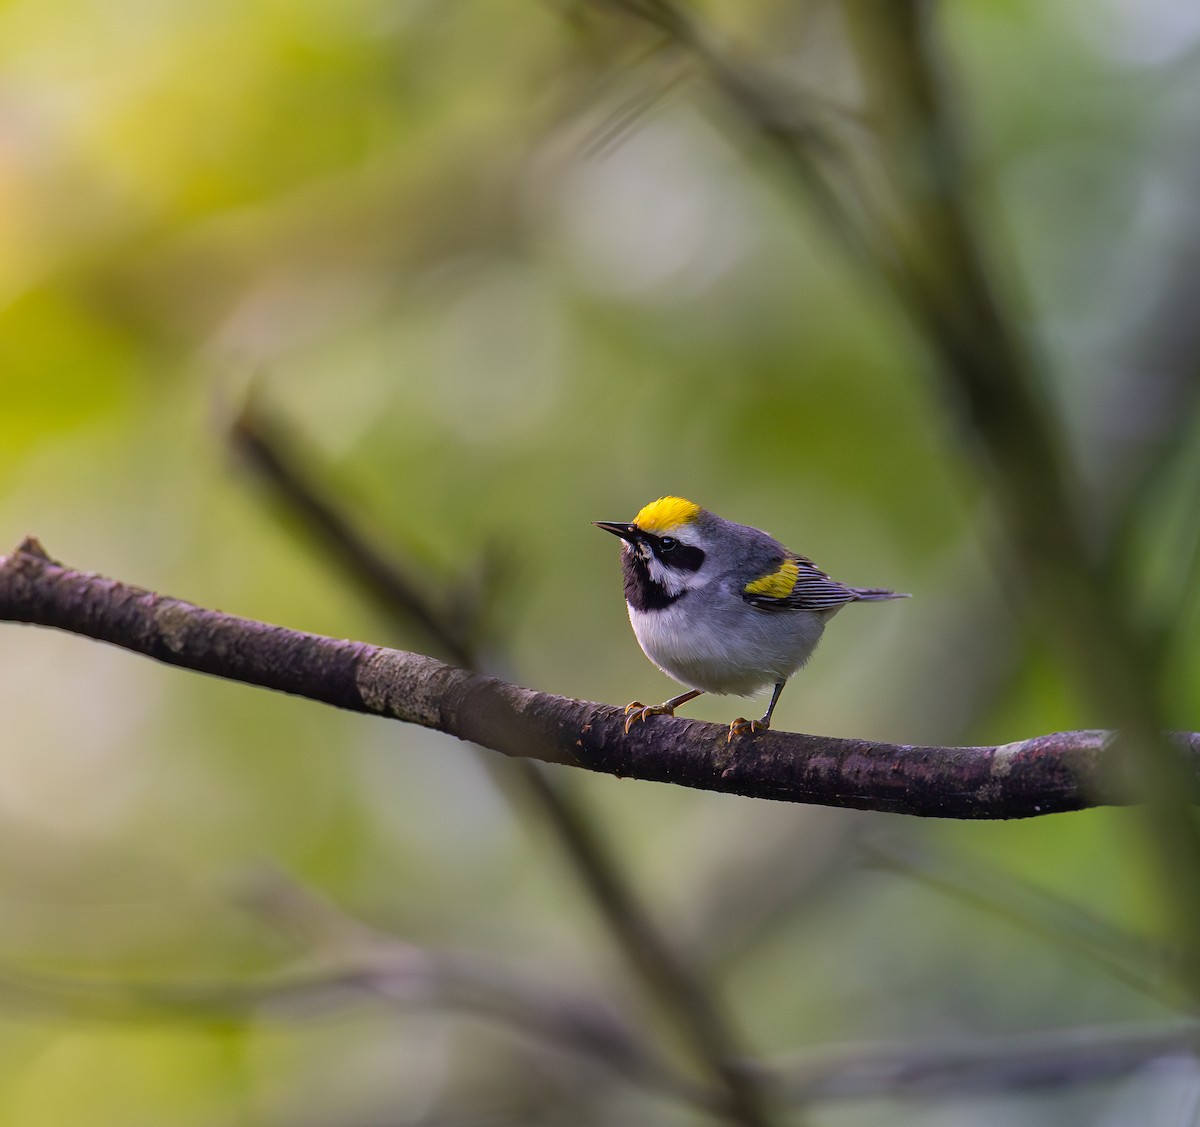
(777,585)
(665,514)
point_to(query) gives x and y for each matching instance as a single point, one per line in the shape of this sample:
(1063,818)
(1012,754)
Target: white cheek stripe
(670,580)
(673,581)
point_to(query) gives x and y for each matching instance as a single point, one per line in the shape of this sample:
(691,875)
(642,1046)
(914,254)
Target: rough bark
(1043,775)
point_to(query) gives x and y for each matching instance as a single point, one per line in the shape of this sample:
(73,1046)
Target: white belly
(737,652)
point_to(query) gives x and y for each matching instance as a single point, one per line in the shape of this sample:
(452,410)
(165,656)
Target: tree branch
(1042,775)
(1053,1058)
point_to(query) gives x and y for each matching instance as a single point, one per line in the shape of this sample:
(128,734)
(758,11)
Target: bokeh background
(499,270)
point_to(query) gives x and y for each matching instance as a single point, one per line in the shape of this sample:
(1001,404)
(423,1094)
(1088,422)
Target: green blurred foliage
(507,274)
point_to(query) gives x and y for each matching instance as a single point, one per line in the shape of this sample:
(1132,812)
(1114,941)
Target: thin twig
(1138,963)
(793,132)
(1057,1058)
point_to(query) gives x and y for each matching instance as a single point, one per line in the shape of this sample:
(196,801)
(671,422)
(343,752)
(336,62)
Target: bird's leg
(741,725)
(636,712)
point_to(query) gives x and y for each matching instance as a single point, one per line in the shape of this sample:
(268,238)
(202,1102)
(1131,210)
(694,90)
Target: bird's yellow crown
(665,514)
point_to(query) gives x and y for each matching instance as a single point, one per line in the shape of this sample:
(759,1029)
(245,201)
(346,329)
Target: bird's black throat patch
(642,592)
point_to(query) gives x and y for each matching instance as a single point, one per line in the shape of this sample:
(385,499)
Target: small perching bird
(722,607)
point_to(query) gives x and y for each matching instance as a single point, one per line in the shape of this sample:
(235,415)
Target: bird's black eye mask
(674,554)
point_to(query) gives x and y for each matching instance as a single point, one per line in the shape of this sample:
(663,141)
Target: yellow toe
(742,727)
(638,713)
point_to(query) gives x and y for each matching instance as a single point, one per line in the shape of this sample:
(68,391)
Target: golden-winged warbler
(722,607)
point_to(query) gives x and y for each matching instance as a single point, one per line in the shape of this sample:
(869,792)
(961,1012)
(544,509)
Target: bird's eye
(668,544)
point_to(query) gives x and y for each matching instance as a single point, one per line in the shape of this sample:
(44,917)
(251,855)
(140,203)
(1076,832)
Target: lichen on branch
(1043,775)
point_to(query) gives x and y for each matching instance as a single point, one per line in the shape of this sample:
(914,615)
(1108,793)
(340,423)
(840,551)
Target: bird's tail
(876,594)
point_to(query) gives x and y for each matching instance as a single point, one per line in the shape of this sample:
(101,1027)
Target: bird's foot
(742,727)
(638,713)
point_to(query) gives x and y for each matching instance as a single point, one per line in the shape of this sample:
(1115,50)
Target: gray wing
(811,590)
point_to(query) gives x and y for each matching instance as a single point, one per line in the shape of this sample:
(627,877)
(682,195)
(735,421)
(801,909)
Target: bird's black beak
(629,532)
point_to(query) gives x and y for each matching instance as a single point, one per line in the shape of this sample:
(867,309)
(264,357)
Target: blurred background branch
(924,243)
(1130,959)
(693,1011)
(909,285)
(346,964)
(1050,1059)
